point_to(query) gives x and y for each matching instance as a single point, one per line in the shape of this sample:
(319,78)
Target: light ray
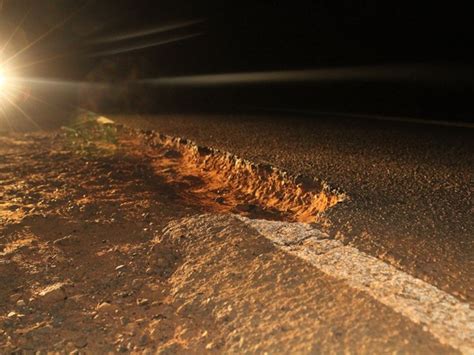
(143,46)
(21,111)
(21,91)
(15,31)
(61,83)
(146,32)
(376,73)
(38,99)
(43,60)
(47,33)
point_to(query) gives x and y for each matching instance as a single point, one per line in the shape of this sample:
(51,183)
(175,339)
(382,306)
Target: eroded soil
(85,264)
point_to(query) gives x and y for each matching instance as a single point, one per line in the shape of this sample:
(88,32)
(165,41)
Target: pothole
(225,182)
(210,179)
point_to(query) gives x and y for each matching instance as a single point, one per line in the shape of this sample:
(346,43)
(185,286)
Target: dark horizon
(215,38)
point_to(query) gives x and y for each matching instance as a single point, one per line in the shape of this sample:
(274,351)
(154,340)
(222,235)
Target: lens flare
(6,81)
(9,88)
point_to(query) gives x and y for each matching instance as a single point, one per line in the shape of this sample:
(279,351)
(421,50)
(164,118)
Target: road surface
(181,263)
(409,184)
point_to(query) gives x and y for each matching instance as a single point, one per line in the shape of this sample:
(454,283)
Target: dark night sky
(264,35)
(258,36)
(303,34)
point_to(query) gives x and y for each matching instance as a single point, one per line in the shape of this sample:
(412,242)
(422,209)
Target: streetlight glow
(8,89)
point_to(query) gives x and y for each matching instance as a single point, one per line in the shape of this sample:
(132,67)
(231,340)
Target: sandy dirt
(87,264)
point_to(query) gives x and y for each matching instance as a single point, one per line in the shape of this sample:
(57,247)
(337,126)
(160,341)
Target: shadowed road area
(409,185)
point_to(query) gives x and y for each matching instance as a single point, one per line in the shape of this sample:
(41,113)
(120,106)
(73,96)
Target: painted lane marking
(448,319)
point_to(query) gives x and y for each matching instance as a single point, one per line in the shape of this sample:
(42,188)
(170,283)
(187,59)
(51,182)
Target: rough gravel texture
(89,262)
(409,185)
(267,300)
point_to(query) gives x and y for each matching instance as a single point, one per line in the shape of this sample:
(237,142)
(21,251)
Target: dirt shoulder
(88,265)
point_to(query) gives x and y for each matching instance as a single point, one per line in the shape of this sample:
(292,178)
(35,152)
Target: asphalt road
(168,260)
(409,184)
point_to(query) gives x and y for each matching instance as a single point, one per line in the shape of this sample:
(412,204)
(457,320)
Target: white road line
(446,318)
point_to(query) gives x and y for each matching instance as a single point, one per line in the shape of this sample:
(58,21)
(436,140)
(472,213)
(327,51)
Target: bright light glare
(7,82)
(8,90)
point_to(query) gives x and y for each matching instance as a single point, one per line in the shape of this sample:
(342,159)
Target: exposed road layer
(409,185)
(226,183)
(167,277)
